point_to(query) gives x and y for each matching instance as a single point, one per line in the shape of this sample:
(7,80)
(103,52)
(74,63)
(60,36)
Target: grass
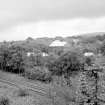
(57,95)
(62,95)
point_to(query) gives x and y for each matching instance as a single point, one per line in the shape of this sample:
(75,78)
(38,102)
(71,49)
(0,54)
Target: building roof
(58,43)
(88,54)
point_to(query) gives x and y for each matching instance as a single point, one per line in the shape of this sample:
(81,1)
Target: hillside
(31,43)
(53,71)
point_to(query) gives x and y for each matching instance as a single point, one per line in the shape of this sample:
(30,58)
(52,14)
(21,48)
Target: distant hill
(43,43)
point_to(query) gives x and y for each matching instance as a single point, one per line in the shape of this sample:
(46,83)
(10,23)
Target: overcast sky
(40,18)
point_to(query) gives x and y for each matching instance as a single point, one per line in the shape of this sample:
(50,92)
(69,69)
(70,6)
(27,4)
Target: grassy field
(19,91)
(15,90)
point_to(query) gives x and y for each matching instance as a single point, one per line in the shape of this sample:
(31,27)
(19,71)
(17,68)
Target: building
(88,54)
(30,53)
(58,43)
(44,54)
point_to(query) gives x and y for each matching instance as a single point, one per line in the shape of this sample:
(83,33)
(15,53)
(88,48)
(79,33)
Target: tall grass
(4,101)
(62,95)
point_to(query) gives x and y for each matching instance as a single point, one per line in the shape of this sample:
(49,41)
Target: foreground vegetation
(73,79)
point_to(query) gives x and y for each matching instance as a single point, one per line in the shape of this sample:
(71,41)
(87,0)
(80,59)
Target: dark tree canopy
(11,59)
(102,48)
(67,63)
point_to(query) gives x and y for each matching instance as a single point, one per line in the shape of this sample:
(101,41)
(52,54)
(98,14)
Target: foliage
(4,101)
(64,61)
(102,48)
(38,73)
(67,63)
(89,60)
(11,59)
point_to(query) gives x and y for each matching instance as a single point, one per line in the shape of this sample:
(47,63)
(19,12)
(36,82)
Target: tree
(102,48)
(67,65)
(4,56)
(11,59)
(17,61)
(90,79)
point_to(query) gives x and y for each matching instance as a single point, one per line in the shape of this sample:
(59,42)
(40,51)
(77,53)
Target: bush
(4,101)
(12,59)
(67,64)
(38,73)
(89,61)
(22,93)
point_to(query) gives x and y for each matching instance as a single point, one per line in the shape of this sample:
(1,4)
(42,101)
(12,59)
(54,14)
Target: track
(32,89)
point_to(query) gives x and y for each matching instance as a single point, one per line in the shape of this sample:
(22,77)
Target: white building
(88,54)
(57,43)
(44,54)
(33,54)
(30,53)
(75,41)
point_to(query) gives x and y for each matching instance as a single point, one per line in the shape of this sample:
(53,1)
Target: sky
(20,19)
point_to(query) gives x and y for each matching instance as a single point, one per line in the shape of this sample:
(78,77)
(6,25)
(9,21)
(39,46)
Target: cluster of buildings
(58,43)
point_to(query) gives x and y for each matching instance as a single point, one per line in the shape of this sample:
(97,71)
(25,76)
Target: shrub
(22,93)
(67,64)
(12,59)
(38,73)
(89,61)
(4,101)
